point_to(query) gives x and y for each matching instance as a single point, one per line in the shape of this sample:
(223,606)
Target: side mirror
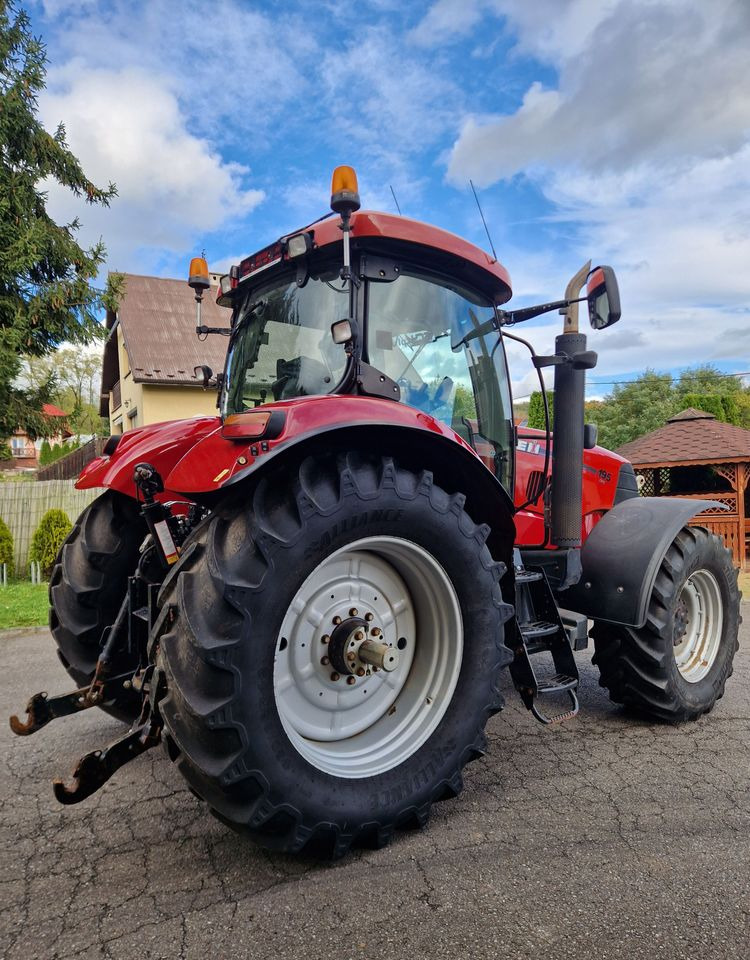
(603,297)
(342,331)
(205,373)
(590,433)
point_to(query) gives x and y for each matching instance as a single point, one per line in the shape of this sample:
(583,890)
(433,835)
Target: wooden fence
(24,503)
(69,466)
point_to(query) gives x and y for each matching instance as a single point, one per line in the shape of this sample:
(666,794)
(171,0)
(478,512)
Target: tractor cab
(411,317)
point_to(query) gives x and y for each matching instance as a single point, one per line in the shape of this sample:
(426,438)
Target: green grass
(23,605)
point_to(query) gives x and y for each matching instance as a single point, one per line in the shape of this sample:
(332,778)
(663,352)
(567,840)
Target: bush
(48,538)
(6,547)
(5,452)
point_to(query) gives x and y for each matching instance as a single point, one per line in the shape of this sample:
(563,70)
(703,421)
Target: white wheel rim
(699,620)
(373,723)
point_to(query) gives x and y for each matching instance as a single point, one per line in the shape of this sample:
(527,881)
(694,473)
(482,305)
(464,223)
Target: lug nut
(351,680)
(335,677)
(359,635)
(376,631)
(369,616)
(325,638)
(336,621)
(325,661)
(353,612)
(351,656)
(361,672)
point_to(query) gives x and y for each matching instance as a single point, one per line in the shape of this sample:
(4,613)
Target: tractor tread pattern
(89,580)
(196,654)
(637,666)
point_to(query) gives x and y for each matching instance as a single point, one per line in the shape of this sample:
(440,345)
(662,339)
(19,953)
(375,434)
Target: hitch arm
(41,708)
(94,769)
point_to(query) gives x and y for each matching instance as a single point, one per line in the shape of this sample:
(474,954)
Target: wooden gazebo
(697,456)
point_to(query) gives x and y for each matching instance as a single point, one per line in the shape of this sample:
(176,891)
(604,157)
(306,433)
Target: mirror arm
(203,331)
(509,317)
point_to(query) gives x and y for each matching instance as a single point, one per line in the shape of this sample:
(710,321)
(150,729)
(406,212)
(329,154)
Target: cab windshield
(440,343)
(281,345)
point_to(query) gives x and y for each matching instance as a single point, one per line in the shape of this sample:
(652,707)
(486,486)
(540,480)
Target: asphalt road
(607,837)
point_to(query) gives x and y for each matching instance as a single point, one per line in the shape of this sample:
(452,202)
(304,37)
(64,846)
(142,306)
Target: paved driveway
(604,838)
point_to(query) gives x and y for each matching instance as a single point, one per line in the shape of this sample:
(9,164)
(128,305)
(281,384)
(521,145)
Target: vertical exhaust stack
(571,362)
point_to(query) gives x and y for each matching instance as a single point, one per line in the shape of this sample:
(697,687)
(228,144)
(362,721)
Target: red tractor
(310,598)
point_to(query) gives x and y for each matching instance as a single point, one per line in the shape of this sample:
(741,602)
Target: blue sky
(617,130)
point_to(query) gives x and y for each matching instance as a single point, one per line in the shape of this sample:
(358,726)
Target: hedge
(6,547)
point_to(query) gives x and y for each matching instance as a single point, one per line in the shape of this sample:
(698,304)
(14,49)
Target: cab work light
(298,245)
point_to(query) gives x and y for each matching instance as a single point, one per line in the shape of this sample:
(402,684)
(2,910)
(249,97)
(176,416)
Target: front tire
(88,584)
(675,667)
(263,726)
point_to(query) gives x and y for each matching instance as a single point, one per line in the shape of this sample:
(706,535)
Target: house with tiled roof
(25,450)
(152,349)
(697,456)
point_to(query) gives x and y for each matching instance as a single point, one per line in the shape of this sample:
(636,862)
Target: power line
(662,376)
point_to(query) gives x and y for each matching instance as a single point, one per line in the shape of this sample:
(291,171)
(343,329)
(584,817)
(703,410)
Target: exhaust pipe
(567,449)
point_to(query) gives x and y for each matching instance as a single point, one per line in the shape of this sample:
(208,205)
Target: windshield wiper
(248,315)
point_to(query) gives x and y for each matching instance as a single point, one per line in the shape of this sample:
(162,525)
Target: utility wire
(609,383)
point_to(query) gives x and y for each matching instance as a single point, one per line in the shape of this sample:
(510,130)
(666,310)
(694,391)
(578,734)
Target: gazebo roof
(689,437)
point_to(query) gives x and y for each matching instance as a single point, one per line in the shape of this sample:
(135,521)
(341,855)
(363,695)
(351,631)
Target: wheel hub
(368,656)
(698,621)
(353,653)
(681,620)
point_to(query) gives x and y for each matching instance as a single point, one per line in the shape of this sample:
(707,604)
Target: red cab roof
(369,223)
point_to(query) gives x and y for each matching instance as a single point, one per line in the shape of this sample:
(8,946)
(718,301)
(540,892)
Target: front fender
(622,556)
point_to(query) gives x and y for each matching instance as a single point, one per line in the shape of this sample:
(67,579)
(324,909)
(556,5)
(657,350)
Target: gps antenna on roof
(486,229)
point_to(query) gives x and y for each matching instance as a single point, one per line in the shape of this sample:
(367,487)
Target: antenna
(486,228)
(395,200)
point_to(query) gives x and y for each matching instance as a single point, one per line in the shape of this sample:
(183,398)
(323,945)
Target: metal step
(560,683)
(527,576)
(538,628)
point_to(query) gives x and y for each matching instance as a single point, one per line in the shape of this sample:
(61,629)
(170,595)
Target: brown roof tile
(691,436)
(157,316)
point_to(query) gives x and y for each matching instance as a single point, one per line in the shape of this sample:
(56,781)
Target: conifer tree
(47,292)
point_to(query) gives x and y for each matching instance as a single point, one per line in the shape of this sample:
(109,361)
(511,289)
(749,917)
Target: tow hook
(42,708)
(94,769)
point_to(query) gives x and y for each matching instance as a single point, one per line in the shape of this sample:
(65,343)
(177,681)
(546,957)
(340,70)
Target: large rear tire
(676,666)
(263,727)
(88,584)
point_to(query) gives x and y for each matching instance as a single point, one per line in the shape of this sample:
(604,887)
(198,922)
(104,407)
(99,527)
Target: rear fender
(161,444)
(217,468)
(622,556)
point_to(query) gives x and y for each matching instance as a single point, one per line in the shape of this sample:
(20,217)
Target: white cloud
(232,68)
(642,147)
(447,21)
(126,126)
(658,82)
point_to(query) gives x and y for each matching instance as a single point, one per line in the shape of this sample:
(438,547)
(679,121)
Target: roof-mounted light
(227,284)
(198,277)
(298,245)
(344,191)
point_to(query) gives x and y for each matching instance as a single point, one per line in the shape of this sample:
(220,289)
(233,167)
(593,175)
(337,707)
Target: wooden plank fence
(69,466)
(24,503)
